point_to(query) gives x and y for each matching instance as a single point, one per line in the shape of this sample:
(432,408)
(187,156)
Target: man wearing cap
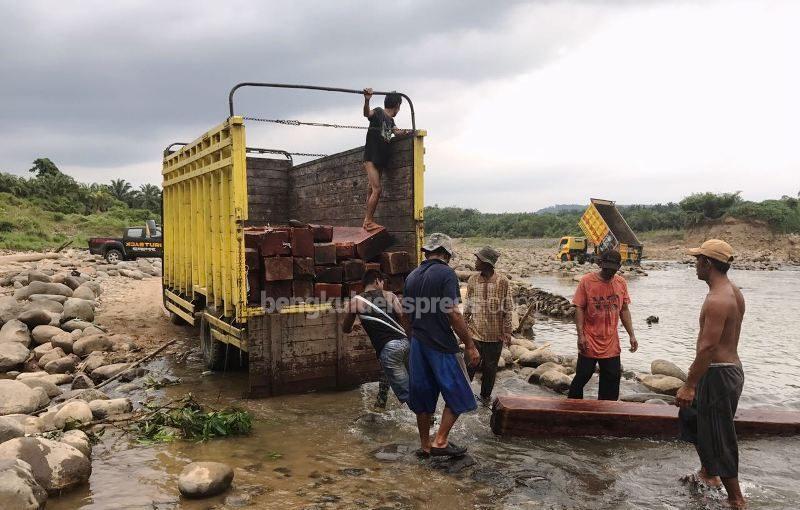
(601,300)
(436,365)
(488,310)
(709,397)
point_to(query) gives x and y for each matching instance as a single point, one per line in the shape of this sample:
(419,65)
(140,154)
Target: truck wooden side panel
(268,191)
(333,190)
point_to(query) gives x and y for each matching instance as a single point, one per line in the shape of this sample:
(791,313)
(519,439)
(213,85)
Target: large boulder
(75,325)
(74,411)
(84,292)
(518,351)
(664,367)
(93,361)
(88,344)
(555,380)
(15,331)
(31,424)
(38,276)
(12,355)
(63,341)
(105,408)
(523,342)
(73,282)
(546,367)
(18,398)
(538,357)
(92,330)
(34,317)
(62,365)
(96,287)
(40,382)
(662,384)
(47,297)
(10,428)
(46,305)
(41,350)
(109,371)
(56,466)
(79,440)
(19,489)
(80,309)
(9,308)
(204,479)
(44,334)
(42,288)
(54,354)
(86,395)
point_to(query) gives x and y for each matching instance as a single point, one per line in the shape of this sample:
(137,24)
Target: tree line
(52,190)
(782,215)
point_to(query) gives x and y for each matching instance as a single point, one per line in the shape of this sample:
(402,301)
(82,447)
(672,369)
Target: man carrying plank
(709,397)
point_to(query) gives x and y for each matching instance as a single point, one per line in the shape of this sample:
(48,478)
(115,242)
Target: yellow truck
(605,228)
(218,185)
(572,248)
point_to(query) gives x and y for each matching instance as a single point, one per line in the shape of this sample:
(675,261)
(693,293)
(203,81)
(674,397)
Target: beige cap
(714,249)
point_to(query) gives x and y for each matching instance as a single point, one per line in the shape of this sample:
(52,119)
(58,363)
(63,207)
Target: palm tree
(43,167)
(149,197)
(120,189)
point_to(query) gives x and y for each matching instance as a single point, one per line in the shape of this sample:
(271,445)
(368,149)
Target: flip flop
(422,454)
(451,450)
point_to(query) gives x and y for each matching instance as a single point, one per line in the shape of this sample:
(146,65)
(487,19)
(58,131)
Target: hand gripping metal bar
(316,87)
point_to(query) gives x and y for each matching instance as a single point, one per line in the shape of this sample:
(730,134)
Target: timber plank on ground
(553,417)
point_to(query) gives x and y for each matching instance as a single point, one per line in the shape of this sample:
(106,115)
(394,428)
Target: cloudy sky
(526,104)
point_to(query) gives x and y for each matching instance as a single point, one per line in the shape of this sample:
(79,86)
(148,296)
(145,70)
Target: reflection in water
(317,450)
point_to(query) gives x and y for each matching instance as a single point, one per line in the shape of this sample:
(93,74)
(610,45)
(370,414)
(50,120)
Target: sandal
(451,450)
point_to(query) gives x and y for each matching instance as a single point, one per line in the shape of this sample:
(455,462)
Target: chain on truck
(216,187)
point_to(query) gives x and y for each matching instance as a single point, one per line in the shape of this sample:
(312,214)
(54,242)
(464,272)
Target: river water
(329,450)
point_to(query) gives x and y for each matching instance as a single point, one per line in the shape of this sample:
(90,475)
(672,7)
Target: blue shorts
(434,372)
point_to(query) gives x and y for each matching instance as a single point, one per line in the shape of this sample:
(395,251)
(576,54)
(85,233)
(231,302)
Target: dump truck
(605,228)
(572,248)
(215,188)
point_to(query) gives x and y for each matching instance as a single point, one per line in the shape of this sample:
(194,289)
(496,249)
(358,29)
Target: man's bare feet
(737,503)
(370,226)
(702,480)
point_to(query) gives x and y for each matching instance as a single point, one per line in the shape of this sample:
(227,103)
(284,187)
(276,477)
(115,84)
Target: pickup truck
(135,242)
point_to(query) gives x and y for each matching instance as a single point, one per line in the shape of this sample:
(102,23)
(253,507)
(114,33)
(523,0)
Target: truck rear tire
(564,257)
(581,259)
(113,256)
(177,319)
(217,356)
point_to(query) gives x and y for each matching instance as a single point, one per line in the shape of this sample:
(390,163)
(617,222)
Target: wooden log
(322,233)
(324,254)
(372,266)
(327,290)
(302,288)
(275,242)
(278,268)
(553,417)
(302,242)
(303,267)
(395,262)
(329,274)
(345,251)
(278,290)
(353,269)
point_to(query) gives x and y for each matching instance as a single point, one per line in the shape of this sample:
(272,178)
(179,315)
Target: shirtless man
(710,395)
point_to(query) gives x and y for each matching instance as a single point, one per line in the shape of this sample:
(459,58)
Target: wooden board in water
(552,417)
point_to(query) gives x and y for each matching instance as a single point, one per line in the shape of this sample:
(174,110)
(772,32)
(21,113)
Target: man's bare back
(724,304)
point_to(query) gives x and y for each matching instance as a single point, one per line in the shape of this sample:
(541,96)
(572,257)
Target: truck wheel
(217,356)
(113,256)
(177,319)
(564,257)
(581,259)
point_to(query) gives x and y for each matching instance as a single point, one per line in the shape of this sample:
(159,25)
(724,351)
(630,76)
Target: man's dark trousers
(610,375)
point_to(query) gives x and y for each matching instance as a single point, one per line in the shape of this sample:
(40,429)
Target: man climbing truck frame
(214,188)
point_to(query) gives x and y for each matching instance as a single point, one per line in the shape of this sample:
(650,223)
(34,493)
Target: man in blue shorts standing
(436,365)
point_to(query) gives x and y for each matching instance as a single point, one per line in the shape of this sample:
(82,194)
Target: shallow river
(318,450)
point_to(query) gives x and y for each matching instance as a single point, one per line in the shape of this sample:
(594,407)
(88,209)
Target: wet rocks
(88,344)
(204,479)
(82,382)
(662,384)
(555,380)
(104,408)
(664,367)
(19,489)
(56,466)
(546,367)
(652,319)
(538,357)
(78,440)
(63,365)
(79,309)
(109,371)
(18,398)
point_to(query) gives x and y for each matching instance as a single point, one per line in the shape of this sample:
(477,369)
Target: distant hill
(561,208)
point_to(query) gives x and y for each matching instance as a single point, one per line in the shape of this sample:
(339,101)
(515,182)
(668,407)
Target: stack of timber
(551,417)
(324,262)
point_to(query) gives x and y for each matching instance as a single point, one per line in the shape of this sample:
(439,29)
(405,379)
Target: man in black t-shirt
(382,318)
(376,149)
